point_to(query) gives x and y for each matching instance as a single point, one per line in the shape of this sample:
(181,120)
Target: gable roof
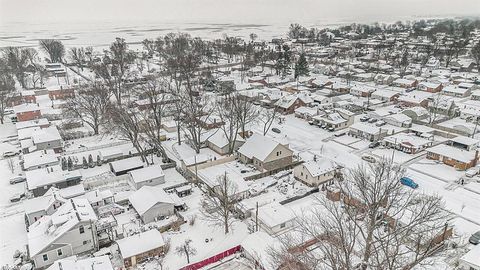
(258,146)
(48,229)
(146,197)
(140,243)
(147,173)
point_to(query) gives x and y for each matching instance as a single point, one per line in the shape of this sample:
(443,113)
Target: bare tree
(439,104)
(475,52)
(54,49)
(16,61)
(247,113)
(11,165)
(196,109)
(157,100)
(90,104)
(226,107)
(114,67)
(78,57)
(186,250)
(126,122)
(377,224)
(266,118)
(7,89)
(219,204)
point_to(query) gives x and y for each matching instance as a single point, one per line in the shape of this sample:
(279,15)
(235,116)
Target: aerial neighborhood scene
(270,135)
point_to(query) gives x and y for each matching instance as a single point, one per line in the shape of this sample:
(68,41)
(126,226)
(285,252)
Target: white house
(40,159)
(219,143)
(274,218)
(48,138)
(98,198)
(317,172)
(123,166)
(152,203)
(36,208)
(148,176)
(68,231)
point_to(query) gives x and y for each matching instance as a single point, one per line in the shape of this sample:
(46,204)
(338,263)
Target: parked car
(364,118)
(408,182)
(8,154)
(380,123)
(16,197)
(276,130)
(17,179)
(373,120)
(472,172)
(475,238)
(331,129)
(369,158)
(340,134)
(373,144)
(311,122)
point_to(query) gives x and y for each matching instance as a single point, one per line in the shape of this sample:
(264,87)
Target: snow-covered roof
(140,243)
(409,140)
(98,195)
(258,245)
(453,153)
(26,107)
(400,117)
(465,140)
(48,176)
(210,176)
(39,158)
(146,174)
(220,140)
(46,135)
(196,159)
(126,164)
(274,214)
(415,96)
(146,197)
(32,123)
(41,203)
(319,167)
(73,263)
(286,101)
(258,146)
(454,89)
(48,229)
(366,128)
(472,257)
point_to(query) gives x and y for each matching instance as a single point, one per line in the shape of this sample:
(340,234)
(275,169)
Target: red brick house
(61,92)
(27,112)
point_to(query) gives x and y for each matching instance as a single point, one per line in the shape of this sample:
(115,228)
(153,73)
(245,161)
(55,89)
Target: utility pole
(256,218)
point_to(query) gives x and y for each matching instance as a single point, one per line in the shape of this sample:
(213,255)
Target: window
(282,225)
(59,252)
(45,257)
(81,229)
(85,242)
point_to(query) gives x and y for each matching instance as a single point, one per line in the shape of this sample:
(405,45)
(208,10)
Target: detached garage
(121,167)
(137,248)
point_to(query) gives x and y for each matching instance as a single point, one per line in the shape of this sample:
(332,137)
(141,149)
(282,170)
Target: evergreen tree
(301,67)
(85,163)
(69,163)
(99,161)
(64,164)
(90,161)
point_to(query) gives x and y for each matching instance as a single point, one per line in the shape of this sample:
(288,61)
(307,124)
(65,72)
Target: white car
(472,172)
(9,154)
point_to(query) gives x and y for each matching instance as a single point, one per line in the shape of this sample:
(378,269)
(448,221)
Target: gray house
(149,176)
(152,203)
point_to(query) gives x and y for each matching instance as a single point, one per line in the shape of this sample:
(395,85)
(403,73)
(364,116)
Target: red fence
(213,259)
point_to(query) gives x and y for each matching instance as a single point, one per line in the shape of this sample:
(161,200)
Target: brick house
(452,156)
(140,247)
(27,112)
(61,92)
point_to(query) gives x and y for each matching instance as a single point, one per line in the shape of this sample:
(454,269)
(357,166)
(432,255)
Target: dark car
(475,238)
(276,130)
(374,144)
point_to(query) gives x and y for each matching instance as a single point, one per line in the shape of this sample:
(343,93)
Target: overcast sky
(246,11)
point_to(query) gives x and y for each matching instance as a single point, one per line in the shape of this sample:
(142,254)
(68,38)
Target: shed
(149,176)
(121,167)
